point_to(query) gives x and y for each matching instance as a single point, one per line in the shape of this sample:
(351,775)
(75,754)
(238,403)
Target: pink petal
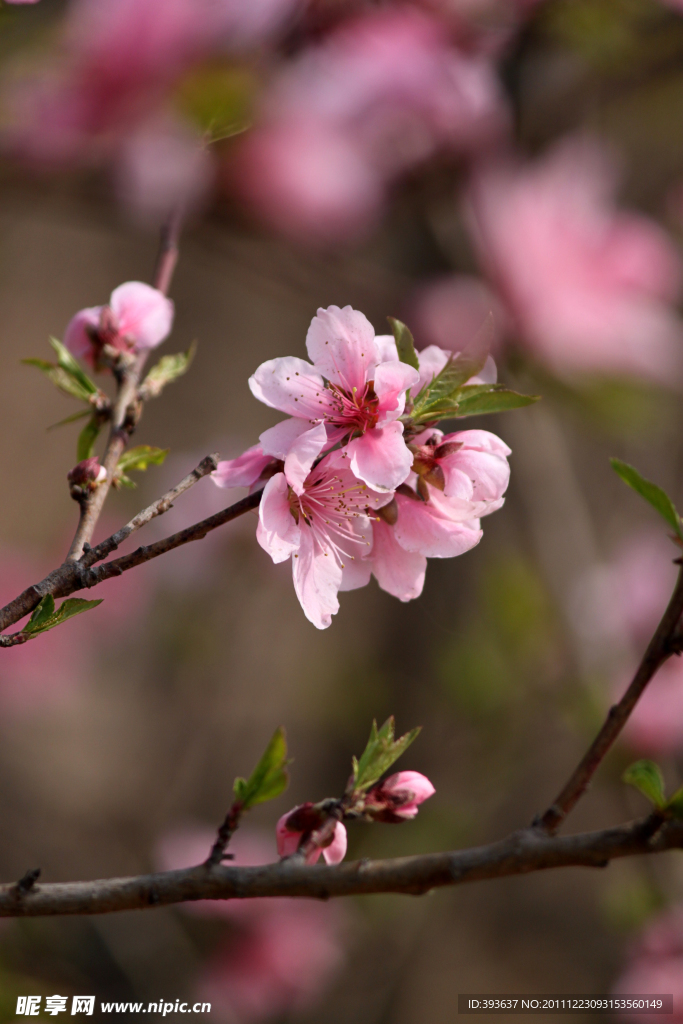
(242,471)
(488,475)
(76,338)
(422,530)
(411,782)
(303,453)
(336,851)
(277,531)
(356,573)
(432,361)
(487,375)
(317,578)
(385,345)
(292,386)
(401,573)
(481,440)
(278,440)
(380,457)
(287,842)
(341,344)
(392,380)
(144,314)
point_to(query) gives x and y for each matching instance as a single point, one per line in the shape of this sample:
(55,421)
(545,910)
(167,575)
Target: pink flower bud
(309,817)
(404,792)
(137,318)
(87,473)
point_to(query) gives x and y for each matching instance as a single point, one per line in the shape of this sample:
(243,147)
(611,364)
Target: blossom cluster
(352,486)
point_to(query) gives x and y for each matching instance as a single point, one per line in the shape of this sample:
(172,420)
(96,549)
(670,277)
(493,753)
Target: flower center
(356,410)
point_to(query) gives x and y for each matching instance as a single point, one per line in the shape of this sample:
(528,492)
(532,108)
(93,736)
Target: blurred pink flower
(118,63)
(654,965)
(449,312)
(160,166)
(282,965)
(325,531)
(283,953)
(622,602)
(381,94)
(136,318)
(656,724)
(347,391)
(288,839)
(588,288)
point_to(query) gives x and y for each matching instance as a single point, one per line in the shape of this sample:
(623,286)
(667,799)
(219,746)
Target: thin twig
(73,576)
(525,851)
(157,508)
(661,647)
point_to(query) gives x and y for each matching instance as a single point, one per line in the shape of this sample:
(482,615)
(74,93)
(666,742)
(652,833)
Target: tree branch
(664,643)
(528,850)
(127,406)
(73,576)
(157,508)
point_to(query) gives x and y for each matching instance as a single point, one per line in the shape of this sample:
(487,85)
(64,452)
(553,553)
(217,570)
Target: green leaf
(168,369)
(380,753)
(269,778)
(60,378)
(41,614)
(658,498)
(141,457)
(405,344)
(86,440)
(69,364)
(70,419)
(675,804)
(477,400)
(647,777)
(45,617)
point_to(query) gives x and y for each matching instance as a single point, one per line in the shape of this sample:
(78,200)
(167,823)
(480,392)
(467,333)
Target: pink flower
(288,839)
(588,288)
(424,521)
(325,529)
(348,393)
(403,793)
(380,95)
(470,465)
(136,319)
(655,965)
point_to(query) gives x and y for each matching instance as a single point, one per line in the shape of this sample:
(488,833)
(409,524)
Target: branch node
(27,881)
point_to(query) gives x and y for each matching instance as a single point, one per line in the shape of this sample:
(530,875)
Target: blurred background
(432,161)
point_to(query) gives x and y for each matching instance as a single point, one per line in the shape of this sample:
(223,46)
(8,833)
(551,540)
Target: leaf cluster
(448,395)
(269,778)
(380,753)
(45,617)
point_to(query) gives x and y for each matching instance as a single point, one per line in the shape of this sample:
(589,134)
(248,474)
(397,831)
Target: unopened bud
(86,476)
